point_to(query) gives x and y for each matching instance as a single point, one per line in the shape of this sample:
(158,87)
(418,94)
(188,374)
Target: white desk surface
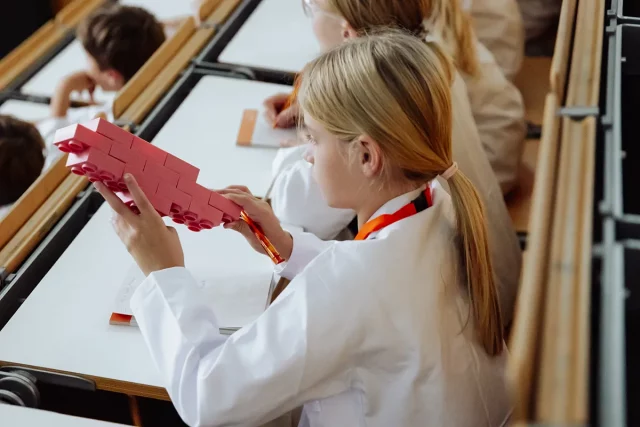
(64,323)
(24,110)
(71,59)
(163,9)
(16,416)
(277,36)
(204,129)
(66,317)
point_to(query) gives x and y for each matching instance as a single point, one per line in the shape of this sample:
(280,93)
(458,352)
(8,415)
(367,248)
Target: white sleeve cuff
(306,247)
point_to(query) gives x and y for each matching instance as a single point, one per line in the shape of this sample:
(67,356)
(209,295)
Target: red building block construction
(103,152)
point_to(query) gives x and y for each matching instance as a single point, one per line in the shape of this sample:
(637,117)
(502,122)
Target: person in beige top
(296,197)
(499,27)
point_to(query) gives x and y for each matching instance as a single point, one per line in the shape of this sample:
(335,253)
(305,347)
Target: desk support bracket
(578,113)
(55,378)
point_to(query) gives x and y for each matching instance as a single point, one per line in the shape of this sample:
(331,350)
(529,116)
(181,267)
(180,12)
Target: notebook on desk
(237,298)
(255,131)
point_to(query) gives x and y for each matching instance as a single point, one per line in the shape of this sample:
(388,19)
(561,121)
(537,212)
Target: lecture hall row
(65,359)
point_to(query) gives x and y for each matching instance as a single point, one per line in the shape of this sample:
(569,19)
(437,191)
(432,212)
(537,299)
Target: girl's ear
(370,157)
(116,79)
(347,31)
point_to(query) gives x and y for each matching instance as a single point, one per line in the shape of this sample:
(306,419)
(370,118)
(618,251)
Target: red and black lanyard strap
(419,204)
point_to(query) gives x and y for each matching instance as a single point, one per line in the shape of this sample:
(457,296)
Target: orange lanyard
(420,203)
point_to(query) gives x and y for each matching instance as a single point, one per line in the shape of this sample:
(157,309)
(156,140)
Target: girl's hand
(279,116)
(152,244)
(262,214)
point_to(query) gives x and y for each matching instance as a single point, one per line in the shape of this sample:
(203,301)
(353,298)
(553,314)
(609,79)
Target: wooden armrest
(153,67)
(564,370)
(32,199)
(76,11)
(583,89)
(560,61)
(41,222)
(525,331)
(23,56)
(206,8)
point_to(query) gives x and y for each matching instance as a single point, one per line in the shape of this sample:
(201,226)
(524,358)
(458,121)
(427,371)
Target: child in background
(401,327)
(21,159)
(117,40)
(496,104)
(296,197)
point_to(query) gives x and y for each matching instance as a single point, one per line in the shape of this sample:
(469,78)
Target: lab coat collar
(395,205)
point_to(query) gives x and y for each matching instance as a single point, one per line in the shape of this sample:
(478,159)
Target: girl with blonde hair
(401,327)
(495,104)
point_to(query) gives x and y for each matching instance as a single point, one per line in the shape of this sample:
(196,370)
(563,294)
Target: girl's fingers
(141,200)
(116,204)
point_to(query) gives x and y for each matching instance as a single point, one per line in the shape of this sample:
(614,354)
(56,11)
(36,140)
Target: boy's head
(119,40)
(21,157)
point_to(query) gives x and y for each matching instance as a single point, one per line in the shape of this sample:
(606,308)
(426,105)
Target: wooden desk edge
(76,11)
(24,56)
(31,200)
(107,384)
(527,320)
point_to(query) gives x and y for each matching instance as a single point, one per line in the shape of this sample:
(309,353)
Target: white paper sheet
(264,134)
(237,297)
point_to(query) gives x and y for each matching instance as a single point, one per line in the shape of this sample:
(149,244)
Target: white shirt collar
(395,204)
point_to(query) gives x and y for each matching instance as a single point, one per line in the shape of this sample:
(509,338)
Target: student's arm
(296,198)
(293,353)
(76,82)
(498,110)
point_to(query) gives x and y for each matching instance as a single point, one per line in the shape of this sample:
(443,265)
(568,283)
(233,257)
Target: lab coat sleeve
(498,110)
(296,198)
(291,354)
(306,247)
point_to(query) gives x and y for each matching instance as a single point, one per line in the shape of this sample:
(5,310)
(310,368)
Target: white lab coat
(296,198)
(498,26)
(368,333)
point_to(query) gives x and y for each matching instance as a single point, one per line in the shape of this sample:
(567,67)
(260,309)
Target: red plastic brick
(194,189)
(111,131)
(161,203)
(205,216)
(184,169)
(77,138)
(231,210)
(97,166)
(148,183)
(150,152)
(128,200)
(180,200)
(161,173)
(127,155)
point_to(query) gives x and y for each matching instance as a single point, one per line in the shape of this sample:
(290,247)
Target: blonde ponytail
(446,18)
(454,24)
(473,246)
(396,89)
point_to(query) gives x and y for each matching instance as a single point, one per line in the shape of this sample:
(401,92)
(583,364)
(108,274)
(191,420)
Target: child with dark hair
(21,159)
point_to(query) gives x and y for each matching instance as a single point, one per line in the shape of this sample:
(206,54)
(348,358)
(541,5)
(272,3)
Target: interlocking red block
(103,152)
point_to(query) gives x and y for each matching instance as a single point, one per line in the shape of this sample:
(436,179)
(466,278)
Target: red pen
(264,241)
